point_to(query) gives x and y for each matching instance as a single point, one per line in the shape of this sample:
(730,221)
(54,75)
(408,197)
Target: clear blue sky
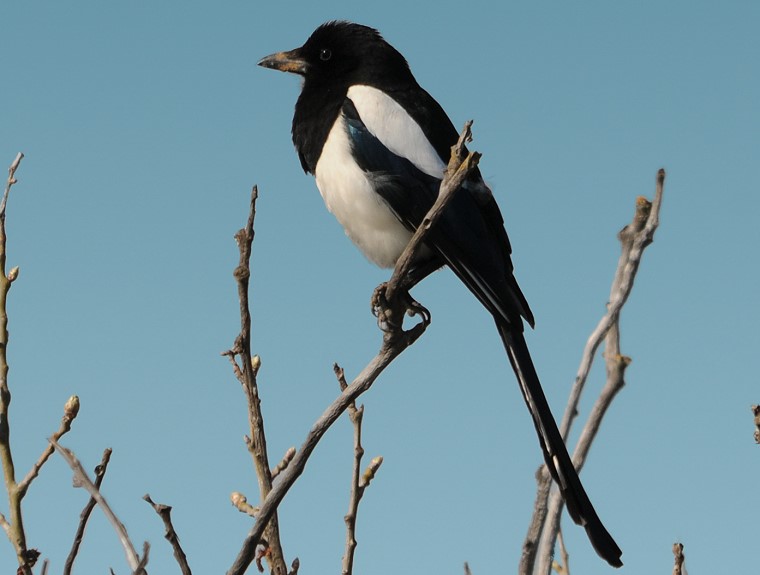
(144,126)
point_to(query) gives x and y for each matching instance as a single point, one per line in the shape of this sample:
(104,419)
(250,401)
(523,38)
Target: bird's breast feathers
(349,191)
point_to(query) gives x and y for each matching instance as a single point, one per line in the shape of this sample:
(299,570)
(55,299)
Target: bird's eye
(325,54)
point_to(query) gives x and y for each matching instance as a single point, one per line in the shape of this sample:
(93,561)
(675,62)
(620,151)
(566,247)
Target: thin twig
(10,181)
(165,513)
(756,413)
(5,525)
(81,479)
(240,502)
(70,411)
(634,238)
(359,481)
(395,341)
(564,568)
(355,414)
(100,473)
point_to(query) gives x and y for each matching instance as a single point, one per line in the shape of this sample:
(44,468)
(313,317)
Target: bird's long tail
(555,453)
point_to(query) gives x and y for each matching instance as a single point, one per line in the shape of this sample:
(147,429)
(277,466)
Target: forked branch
(635,237)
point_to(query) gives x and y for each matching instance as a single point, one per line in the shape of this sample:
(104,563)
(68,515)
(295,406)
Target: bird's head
(342,53)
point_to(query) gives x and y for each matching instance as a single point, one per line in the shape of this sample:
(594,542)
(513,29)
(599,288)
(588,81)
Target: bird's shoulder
(429,115)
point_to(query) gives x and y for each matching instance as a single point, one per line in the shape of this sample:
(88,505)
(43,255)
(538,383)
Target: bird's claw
(390,317)
(413,308)
(381,308)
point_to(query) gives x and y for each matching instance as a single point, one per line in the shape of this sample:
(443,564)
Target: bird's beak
(286,62)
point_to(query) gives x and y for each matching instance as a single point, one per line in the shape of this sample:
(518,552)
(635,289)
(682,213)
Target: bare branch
(678,568)
(616,365)
(100,473)
(140,570)
(165,513)
(634,238)
(537,522)
(246,373)
(564,568)
(14,524)
(388,352)
(359,481)
(467,569)
(81,479)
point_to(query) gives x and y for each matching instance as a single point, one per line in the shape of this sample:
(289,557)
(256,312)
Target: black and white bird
(378,144)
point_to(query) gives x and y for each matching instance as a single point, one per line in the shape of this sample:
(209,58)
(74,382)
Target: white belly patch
(349,196)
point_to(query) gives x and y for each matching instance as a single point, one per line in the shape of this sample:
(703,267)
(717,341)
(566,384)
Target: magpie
(377,144)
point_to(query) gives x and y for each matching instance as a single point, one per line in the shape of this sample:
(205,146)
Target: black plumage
(377,144)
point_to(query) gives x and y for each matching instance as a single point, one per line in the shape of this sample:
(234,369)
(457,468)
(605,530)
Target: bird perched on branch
(378,144)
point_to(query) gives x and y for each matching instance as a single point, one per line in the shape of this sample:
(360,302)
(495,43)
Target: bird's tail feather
(555,453)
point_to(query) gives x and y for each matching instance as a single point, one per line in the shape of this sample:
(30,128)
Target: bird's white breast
(350,197)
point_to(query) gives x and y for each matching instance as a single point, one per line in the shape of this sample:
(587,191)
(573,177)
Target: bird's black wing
(441,133)
(470,235)
(470,238)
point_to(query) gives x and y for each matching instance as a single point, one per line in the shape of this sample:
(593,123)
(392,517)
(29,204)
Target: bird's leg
(419,273)
(390,314)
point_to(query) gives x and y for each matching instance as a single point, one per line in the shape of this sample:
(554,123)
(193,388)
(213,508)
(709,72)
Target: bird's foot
(390,315)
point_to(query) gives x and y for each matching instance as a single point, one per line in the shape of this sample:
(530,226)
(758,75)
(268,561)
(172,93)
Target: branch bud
(255,364)
(286,459)
(13,274)
(241,503)
(371,470)
(71,408)
(238,499)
